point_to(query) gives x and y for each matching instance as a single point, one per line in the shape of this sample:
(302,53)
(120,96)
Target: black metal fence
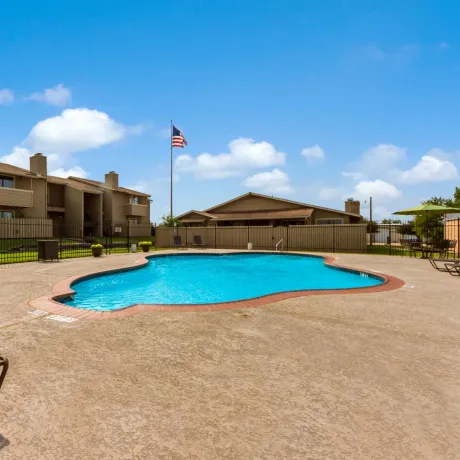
(419,238)
(19,237)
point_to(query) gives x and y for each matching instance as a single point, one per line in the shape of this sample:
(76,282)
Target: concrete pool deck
(362,376)
(63,289)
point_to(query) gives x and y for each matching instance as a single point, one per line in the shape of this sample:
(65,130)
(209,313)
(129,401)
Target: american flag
(178,139)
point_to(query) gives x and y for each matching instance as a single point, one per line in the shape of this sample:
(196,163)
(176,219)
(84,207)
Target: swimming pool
(212,278)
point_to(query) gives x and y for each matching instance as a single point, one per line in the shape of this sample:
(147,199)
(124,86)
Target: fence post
(390,235)
(106,231)
(248,236)
(333,237)
(128,235)
(458,237)
(215,236)
(186,236)
(60,237)
(287,237)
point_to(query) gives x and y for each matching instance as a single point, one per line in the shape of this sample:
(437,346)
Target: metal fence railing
(410,238)
(19,237)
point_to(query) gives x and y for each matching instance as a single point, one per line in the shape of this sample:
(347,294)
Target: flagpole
(171,159)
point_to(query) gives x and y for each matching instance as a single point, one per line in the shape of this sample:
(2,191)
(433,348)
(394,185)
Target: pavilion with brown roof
(256,209)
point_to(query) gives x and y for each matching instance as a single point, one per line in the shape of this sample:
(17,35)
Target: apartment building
(120,203)
(82,204)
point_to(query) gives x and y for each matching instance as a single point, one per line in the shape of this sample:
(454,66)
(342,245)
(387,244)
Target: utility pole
(370,209)
(370,221)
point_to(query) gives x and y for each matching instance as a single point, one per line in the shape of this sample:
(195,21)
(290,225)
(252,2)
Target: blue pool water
(201,279)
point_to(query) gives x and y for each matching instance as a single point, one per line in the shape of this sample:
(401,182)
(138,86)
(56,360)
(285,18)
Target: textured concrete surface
(358,376)
(63,289)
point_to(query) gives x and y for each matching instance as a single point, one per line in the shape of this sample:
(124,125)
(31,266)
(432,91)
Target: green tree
(407,228)
(372,228)
(457,197)
(170,221)
(431,226)
(391,221)
(439,201)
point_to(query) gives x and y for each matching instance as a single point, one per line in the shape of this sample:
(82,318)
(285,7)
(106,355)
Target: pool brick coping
(63,289)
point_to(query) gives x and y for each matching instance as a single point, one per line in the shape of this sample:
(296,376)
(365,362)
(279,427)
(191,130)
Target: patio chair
(4,369)
(198,243)
(436,263)
(451,247)
(410,245)
(437,247)
(178,242)
(453,268)
(405,245)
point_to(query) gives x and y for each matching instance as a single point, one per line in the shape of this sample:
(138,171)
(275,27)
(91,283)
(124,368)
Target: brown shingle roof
(74,183)
(193,211)
(102,185)
(5,168)
(265,215)
(282,200)
(77,182)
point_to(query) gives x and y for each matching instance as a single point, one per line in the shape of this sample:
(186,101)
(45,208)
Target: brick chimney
(38,164)
(353,206)
(111,180)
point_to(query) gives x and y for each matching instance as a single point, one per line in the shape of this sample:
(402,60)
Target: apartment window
(329,221)
(6,181)
(6,214)
(134,200)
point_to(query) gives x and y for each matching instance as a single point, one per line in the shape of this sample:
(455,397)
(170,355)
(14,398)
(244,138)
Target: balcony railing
(136,210)
(16,197)
(53,207)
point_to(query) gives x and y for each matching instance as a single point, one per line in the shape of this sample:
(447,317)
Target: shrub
(94,246)
(144,243)
(407,228)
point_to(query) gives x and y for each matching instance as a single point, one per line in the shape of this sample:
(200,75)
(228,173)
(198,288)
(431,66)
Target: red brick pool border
(63,289)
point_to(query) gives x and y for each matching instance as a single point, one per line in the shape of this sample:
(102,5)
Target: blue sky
(313,101)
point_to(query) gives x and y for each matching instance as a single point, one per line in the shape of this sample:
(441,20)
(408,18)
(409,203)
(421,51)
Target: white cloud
(244,154)
(60,136)
(378,189)
(59,95)
(75,130)
(6,96)
(442,154)
(377,159)
(275,181)
(313,153)
(429,169)
(75,171)
(378,212)
(18,157)
(352,175)
(383,156)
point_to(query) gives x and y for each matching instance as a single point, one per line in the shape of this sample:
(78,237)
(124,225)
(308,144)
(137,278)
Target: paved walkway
(361,376)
